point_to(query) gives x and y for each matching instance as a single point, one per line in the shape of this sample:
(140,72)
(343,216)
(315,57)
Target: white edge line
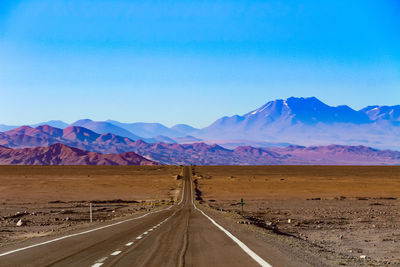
(77,234)
(243,246)
(89,231)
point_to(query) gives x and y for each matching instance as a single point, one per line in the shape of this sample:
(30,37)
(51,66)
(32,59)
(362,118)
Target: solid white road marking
(129,244)
(115,253)
(243,246)
(97,264)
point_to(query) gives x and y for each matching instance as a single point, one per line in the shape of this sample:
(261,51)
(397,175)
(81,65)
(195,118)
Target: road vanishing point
(181,235)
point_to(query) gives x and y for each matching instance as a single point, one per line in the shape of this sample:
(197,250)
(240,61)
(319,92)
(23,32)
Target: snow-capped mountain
(306,110)
(308,121)
(389,113)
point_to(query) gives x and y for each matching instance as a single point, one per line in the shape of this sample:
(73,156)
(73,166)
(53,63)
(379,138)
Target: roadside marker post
(91,212)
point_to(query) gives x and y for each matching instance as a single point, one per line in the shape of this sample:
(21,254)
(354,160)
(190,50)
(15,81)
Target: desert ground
(49,200)
(348,215)
(332,215)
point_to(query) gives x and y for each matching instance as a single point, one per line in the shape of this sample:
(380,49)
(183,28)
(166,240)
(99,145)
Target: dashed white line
(115,253)
(77,234)
(101,260)
(145,233)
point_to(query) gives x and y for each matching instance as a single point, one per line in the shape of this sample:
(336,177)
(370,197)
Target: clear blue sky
(192,61)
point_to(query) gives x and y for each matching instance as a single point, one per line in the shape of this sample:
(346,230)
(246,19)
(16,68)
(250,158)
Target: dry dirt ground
(348,215)
(52,199)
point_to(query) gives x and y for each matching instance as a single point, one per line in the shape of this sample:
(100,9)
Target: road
(182,235)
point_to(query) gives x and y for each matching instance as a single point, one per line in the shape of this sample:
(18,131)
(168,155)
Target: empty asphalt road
(182,235)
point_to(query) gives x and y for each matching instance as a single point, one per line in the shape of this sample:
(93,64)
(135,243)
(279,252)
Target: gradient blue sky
(192,61)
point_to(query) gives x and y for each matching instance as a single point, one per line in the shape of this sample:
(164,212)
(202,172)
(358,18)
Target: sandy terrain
(52,199)
(350,215)
(335,215)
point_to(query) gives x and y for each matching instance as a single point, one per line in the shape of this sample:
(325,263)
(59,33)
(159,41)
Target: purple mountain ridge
(20,147)
(302,121)
(59,154)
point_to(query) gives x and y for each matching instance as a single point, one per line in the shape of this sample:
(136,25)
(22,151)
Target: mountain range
(74,144)
(299,121)
(59,154)
(308,121)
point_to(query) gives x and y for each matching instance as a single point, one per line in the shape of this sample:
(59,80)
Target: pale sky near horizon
(192,61)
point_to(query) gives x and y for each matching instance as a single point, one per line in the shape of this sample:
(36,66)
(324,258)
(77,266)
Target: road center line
(115,253)
(151,229)
(101,260)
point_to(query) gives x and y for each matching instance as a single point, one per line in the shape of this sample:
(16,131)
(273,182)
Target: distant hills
(59,154)
(297,121)
(73,136)
(203,154)
(49,145)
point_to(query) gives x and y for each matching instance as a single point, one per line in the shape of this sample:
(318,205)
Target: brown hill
(73,136)
(59,154)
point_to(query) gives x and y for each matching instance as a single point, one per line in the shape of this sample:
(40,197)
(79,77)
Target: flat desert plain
(53,199)
(350,215)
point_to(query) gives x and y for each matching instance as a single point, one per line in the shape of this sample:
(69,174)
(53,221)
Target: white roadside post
(91,213)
